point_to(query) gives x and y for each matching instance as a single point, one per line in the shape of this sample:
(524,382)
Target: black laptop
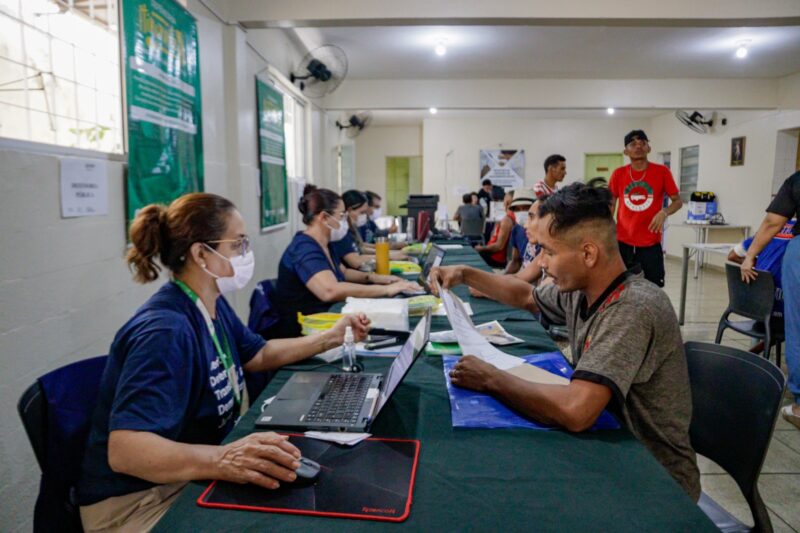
(341,401)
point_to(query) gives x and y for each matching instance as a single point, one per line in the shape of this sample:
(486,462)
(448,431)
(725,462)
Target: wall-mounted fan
(355,123)
(698,122)
(321,71)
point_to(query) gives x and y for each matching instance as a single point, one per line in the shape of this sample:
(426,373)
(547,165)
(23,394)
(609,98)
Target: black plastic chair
(263,320)
(56,411)
(736,396)
(754,301)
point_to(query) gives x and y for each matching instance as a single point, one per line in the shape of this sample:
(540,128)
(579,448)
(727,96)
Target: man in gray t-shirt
(623,332)
(629,341)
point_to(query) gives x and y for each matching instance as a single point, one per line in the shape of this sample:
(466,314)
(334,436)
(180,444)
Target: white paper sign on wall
(84,187)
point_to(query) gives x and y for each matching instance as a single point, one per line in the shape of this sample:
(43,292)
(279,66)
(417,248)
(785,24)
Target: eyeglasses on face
(242,244)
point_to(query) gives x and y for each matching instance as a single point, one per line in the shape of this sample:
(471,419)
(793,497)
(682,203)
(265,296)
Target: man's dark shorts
(650,258)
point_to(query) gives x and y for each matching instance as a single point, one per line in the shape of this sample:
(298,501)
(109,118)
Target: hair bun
(309,188)
(147,238)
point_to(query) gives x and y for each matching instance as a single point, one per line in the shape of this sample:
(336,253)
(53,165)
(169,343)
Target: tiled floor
(707,298)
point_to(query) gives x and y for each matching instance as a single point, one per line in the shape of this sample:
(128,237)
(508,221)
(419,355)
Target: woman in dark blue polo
(311,276)
(352,250)
(174,387)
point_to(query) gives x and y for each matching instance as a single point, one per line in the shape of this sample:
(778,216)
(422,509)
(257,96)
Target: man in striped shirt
(555,169)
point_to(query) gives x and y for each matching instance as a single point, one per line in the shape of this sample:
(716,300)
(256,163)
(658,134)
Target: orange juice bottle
(382,256)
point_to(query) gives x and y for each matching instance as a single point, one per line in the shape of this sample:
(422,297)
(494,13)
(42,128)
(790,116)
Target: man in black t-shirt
(784,206)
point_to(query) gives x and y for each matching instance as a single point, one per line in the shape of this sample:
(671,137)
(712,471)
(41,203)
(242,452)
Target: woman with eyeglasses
(311,274)
(174,386)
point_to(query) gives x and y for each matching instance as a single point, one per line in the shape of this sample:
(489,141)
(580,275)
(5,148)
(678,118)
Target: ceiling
(566,52)
(414,117)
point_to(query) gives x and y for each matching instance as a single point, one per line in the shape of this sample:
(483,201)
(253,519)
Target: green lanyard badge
(224,356)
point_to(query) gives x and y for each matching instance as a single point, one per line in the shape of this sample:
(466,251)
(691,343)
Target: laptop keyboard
(341,400)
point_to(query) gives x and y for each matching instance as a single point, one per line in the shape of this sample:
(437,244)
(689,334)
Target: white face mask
(376,214)
(243,268)
(337,234)
(361,220)
(522,218)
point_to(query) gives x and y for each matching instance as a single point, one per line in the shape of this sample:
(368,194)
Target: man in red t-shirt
(639,188)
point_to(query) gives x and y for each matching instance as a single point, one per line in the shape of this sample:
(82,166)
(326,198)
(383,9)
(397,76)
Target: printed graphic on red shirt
(638,196)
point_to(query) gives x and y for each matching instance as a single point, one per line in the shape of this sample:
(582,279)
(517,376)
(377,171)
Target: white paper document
(450,246)
(84,187)
(387,351)
(472,342)
(348,439)
(441,311)
(493,331)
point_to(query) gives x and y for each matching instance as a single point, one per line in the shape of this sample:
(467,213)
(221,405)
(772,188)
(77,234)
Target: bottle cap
(348,334)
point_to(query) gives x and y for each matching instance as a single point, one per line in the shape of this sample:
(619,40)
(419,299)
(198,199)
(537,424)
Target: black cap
(635,134)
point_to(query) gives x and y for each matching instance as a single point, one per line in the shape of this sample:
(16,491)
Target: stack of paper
(338,437)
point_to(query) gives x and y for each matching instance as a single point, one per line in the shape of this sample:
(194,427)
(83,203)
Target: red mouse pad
(372,480)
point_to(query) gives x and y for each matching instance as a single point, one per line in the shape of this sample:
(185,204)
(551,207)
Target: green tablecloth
(486,480)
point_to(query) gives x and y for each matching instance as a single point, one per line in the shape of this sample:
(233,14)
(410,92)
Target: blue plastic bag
(470,409)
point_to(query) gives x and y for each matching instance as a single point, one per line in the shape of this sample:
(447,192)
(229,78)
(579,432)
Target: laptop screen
(414,345)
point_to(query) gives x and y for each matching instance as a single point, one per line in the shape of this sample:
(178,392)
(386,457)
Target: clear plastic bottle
(349,351)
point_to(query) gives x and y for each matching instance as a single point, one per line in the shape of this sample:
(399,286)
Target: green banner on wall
(272,156)
(162,89)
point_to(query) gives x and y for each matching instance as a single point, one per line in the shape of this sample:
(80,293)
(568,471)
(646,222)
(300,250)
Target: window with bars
(60,73)
(690,162)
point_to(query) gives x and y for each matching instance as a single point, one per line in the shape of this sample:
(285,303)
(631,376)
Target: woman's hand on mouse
(264,459)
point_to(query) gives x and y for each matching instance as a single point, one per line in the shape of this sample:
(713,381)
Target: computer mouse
(307,472)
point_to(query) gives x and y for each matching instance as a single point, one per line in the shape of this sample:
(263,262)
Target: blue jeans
(790,278)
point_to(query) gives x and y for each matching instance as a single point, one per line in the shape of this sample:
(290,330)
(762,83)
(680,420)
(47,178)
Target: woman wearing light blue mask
(311,273)
(174,384)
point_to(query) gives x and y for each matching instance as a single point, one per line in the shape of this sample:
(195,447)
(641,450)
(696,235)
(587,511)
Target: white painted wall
(540,138)
(375,144)
(743,192)
(64,287)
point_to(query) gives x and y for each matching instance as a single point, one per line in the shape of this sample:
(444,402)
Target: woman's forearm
(165,461)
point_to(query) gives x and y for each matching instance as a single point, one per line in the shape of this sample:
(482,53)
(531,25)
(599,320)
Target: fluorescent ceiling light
(741,50)
(440,48)
(433,110)
(611,110)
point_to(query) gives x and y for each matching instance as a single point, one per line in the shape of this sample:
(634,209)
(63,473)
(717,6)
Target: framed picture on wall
(737,151)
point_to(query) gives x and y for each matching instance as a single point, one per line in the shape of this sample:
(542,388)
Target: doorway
(601,165)
(403,177)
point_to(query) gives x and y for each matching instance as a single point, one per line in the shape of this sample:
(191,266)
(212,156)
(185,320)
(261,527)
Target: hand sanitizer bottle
(349,351)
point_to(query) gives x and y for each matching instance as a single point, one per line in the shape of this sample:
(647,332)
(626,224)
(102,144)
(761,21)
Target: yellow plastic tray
(317,322)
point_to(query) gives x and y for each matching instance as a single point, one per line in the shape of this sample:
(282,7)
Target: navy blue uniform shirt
(303,259)
(164,376)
